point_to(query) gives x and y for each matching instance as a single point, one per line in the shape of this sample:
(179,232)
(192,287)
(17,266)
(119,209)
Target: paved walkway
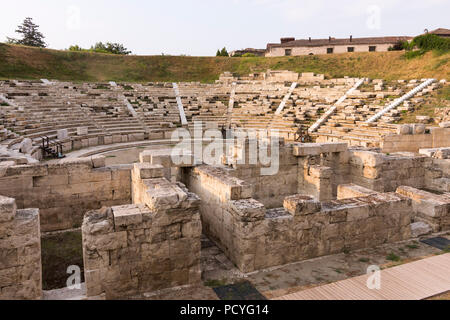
(411,281)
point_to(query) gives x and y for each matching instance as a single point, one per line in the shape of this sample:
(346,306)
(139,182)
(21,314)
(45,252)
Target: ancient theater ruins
(167,181)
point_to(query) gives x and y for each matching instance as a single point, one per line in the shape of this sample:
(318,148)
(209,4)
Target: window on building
(329,50)
(287,52)
(350,49)
(372,48)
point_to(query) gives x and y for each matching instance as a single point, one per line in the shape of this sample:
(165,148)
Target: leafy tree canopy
(108,47)
(222,53)
(30,35)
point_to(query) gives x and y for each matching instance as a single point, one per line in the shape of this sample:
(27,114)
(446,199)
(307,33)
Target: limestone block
(423,119)
(107,139)
(247,209)
(307,149)
(62,134)
(426,203)
(110,241)
(145,156)
(163,159)
(147,170)
(94,141)
(301,205)
(35,170)
(81,131)
(126,215)
(4,167)
(357,213)
(444,124)
(334,147)
(98,161)
(419,229)
(320,172)
(366,158)
(346,191)
(7,208)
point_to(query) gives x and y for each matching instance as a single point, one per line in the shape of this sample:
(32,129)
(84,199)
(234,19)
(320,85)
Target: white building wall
(299,51)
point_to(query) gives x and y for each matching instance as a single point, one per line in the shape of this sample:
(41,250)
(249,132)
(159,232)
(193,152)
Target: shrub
(246,55)
(431,42)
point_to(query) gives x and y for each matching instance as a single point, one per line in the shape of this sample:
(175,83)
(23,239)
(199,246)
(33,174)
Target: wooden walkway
(411,281)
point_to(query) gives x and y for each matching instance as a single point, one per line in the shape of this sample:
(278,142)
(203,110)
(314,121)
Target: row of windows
(288,52)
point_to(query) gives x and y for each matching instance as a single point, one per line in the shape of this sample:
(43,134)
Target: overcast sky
(200,27)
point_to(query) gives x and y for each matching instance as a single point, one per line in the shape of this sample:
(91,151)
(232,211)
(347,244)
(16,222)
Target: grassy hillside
(19,62)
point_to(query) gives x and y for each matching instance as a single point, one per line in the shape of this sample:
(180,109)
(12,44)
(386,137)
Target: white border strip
(286,98)
(394,104)
(180,104)
(330,111)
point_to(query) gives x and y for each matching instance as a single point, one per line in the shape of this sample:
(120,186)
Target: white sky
(200,27)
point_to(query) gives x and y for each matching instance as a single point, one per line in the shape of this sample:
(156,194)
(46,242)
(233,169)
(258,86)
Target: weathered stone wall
(437,172)
(20,252)
(434,209)
(384,173)
(270,189)
(439,137)
(143,247)
(322,167)
(254,237)
(64,192)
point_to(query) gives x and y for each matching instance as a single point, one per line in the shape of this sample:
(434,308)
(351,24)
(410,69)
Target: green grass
(58,253)
(392,257)
(20,62)
(364,260)
(213,283)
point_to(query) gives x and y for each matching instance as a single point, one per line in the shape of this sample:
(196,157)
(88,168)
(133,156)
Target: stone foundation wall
(437,174)
(254,237)
(439,137)
(270,189)
(384,173)
(153,244)
(434,209)
(64,192)
(322,167)
(20,252)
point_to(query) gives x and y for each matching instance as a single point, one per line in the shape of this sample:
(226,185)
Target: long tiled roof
(441,31)
(334,41)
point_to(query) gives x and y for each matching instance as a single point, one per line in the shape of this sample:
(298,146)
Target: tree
(114,48)
(30,35)
(222,53)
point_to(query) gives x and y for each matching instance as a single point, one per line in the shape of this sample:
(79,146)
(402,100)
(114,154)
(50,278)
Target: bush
(429,42)
(425,43)
(99,47)
(246,55)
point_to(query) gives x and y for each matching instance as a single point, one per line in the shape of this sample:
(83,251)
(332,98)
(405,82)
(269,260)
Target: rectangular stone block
(7,209)
(147,170)
(307,149)
(81,131)
(126,215)
(301,205)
